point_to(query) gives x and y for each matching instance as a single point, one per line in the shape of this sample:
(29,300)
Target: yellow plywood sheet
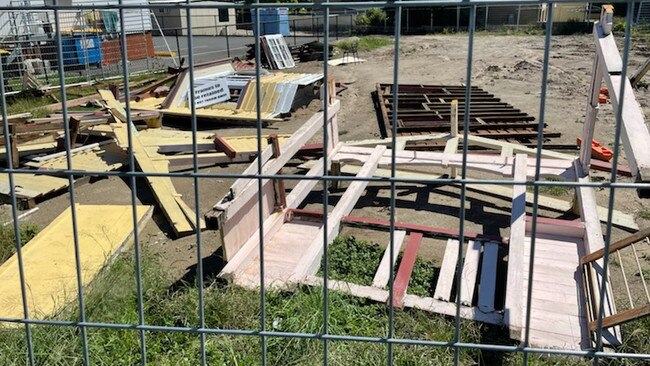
(31,185)
(49,259)
(101,158)
(177,213)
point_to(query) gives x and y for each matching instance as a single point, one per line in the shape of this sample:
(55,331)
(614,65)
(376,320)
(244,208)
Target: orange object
(604,90)
(602,98)
(597,151)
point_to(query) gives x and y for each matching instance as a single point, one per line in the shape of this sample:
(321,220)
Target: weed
(33,105)
(552,190)
(644,215)
(8,239)
(367,43)
(112,298)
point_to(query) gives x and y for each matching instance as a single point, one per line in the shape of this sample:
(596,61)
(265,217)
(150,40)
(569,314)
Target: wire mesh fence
(197,319)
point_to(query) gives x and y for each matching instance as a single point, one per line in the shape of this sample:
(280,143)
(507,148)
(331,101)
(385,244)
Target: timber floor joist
(425,109)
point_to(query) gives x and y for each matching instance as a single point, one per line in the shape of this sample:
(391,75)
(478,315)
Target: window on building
(223,15)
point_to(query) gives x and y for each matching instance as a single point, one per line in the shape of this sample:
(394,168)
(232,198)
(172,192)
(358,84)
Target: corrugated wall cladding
(135,20)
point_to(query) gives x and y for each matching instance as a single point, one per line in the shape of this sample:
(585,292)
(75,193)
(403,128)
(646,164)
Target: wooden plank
(161,187)
(383,271)
(620,219)
(271,226)
(635,135)
(470,272)
(311,260)
(622,317)
(447,271)
(367,292)
(594,241)
(449,308)
(558,168)
(49,258)
(405,269)
(640,72)
(488,277)
(623,243)
(514,304)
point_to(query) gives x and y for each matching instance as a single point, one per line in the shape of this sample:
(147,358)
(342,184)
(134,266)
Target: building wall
(207,23)
(135,20)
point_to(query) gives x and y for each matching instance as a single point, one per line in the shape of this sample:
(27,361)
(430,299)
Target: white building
(40,22)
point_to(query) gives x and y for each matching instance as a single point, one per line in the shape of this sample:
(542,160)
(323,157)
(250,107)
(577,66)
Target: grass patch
(33,105)
(551,190)
(644,215)
(112,298)
(8,239)
(366,43)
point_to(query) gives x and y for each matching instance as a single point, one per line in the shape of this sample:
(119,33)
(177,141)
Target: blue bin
(81,51)
(273,21)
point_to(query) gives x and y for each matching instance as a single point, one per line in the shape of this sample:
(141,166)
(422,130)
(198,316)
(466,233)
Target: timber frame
(568,254)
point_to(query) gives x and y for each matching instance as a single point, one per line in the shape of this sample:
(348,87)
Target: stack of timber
(426,109)
(151,158)
(49,258)
(223,95)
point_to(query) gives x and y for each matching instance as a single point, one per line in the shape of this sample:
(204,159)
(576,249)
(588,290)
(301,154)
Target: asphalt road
(207,48)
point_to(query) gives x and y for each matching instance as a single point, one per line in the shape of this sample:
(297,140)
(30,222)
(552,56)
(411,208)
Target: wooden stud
(470,272)
(223,146)
(405,269)
(447,271)
(514,305)
(278,184)
(621,318)
(623,243)
(383,271)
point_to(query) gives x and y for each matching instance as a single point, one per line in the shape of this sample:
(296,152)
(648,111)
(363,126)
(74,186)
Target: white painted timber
(311,259)
(383,271)
(513,315)
(447,271)
(470,272)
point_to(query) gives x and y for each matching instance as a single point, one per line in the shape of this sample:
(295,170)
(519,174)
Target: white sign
(211,92)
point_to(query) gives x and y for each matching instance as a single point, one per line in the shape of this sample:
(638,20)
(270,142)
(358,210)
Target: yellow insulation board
(49,258)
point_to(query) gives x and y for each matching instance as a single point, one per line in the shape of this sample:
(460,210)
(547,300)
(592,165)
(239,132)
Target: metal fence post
(227,41)
(178,47)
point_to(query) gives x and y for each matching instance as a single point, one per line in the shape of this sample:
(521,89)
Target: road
(207,48)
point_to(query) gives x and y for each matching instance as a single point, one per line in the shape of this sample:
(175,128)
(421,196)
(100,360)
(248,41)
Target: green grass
(33,105)
(112,298)
(644,215)
(366,43)
(552,190)
(7,239)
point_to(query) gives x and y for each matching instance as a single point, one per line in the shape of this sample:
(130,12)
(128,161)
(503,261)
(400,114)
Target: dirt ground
(508,66)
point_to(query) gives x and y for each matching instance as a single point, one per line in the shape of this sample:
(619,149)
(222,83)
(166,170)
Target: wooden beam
(635,135)
(592,112)
(514,305)
(366,292)
(621,318)
(311,259)
(447,271)
(640,73)
(223,146)
(479,162)
(405,269)
(470,272)
(383,271)
(623,243)
(593,241)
